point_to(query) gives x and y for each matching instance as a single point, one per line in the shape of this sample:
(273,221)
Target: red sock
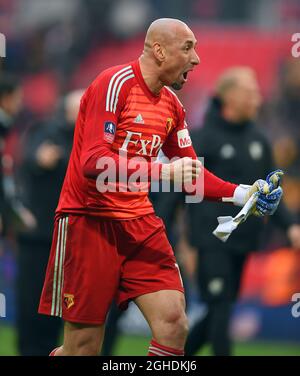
(53,351)
(155,349)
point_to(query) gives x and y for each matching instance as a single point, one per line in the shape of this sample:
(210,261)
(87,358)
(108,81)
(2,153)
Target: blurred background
(53,51)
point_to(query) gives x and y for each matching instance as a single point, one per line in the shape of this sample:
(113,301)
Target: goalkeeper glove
(268,193)
(273,179)
(267,204)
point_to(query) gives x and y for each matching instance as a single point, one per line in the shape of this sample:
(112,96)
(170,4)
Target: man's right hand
(181,171)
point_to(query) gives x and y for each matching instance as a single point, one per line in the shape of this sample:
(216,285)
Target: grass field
(135,345)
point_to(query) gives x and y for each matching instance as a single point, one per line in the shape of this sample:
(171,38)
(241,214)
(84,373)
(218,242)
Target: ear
(159,52)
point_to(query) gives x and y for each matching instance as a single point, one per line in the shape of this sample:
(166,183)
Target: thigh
(152,265)
(83,270)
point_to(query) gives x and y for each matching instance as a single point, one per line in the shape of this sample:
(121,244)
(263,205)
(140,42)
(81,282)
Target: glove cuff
(240,195)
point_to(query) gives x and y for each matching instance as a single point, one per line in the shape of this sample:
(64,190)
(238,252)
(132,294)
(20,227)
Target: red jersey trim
(114,87)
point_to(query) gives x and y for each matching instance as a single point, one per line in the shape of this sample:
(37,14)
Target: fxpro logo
(296,306)
(296,47)
(2,306)
(2,45)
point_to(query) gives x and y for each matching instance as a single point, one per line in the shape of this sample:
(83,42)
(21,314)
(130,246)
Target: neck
(150,74)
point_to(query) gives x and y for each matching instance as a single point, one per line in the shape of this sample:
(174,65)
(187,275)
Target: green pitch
(135,345)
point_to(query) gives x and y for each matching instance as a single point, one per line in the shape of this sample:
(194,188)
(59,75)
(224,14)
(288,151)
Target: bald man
(232,146)
(107,242)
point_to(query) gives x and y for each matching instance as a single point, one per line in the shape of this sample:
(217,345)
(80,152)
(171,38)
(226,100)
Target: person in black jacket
(10,105)
(233,147)
(45,157)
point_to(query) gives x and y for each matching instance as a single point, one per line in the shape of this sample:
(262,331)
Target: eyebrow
(190,42)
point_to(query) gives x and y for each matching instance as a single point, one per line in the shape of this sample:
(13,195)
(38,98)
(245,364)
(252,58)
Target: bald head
(164,31)
(239,92)
(169,54)
(232,78)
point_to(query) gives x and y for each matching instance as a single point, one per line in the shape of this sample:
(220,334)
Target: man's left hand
(268,199)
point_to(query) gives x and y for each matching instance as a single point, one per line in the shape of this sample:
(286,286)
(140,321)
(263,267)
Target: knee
(82,339)
(81,349)
(82,346)
(173,326)
(180,324)
(87,350)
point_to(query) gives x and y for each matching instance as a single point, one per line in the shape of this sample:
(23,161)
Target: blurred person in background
(47,148)
(234,147)
(10,105)
(285,110)
(286,105)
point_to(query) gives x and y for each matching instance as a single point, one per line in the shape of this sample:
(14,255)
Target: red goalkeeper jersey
(118,112)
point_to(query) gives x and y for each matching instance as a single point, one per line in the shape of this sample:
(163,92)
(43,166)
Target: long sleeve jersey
(119,119)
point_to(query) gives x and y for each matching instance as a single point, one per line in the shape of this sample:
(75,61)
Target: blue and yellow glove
(269,194)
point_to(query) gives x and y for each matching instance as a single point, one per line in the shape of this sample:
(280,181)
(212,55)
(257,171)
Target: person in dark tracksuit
(10,105)
(233,147)
(46,152)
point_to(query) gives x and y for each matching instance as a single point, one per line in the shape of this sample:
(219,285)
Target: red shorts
(94,260)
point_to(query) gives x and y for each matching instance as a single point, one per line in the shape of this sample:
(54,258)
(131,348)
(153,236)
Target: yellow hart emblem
(169,125)
(69,300)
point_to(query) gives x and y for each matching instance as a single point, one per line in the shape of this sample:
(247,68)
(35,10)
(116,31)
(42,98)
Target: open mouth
(185,74)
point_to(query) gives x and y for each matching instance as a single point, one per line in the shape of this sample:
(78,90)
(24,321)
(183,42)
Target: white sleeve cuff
(240,195)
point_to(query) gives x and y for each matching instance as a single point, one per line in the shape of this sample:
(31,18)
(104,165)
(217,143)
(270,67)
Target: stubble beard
(176,86)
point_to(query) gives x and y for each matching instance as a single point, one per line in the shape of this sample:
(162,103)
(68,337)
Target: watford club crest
(169,125)
(69,300)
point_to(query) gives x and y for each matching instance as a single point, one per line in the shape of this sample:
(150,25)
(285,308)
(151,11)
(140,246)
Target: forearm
(216,189)
(105,159)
